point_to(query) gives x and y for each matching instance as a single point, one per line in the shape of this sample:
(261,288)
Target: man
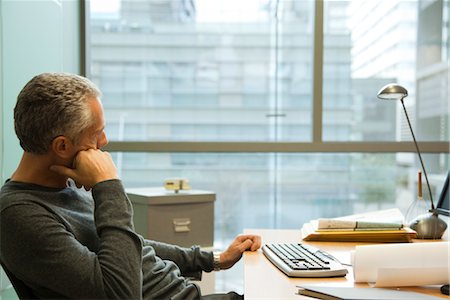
(65,241)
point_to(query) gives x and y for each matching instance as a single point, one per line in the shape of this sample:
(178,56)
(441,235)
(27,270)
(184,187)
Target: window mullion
(317,73)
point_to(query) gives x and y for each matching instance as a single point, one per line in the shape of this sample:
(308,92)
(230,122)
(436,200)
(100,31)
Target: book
(353,293)
(379,233)
(350,225)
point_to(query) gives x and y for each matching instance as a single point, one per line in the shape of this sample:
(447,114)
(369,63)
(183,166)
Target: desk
(262,280)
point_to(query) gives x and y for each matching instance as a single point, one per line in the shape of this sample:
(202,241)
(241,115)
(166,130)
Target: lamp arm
(420,156)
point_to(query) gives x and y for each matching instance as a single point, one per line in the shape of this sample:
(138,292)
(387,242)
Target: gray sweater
(69,243)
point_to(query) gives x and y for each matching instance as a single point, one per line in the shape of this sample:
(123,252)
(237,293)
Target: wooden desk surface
(262,280)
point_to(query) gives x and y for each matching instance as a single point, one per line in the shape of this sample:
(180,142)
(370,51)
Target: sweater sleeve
(40,251)
(120,253)
(189,260)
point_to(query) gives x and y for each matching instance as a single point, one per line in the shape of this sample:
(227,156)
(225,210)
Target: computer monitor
(442,207)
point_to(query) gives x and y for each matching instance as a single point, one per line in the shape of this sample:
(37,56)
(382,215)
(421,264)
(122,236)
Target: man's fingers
(245,245)
(255,241)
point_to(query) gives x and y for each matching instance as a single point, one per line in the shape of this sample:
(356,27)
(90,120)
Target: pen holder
(428,226)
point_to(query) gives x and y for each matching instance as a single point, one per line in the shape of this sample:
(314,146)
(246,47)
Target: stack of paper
(381,227)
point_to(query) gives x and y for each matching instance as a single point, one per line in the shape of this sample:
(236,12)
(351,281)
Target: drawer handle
(181,224)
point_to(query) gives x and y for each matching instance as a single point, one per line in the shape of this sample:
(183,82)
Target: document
(395,265)
(352,293)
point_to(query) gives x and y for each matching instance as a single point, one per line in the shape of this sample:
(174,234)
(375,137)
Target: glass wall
(253,71)
(204,70)
(185,70)
(252,193)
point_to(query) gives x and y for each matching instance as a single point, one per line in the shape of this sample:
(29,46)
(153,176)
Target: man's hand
(234,252)
(89,168)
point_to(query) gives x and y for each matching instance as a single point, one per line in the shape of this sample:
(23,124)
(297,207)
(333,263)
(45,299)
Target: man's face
(94,137)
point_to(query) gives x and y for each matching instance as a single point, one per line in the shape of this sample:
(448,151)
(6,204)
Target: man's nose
(103,141)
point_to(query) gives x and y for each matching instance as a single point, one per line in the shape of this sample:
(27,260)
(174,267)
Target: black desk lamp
(427,226)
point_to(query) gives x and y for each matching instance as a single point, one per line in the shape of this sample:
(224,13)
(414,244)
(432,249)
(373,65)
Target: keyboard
(301,260)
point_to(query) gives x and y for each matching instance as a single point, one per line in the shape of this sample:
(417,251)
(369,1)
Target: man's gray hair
(51,105)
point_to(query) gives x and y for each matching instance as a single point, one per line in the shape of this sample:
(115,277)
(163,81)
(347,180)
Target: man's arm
(193,259)
(120,253)
(189,260)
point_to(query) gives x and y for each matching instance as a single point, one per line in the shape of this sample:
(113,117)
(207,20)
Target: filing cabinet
(185,218)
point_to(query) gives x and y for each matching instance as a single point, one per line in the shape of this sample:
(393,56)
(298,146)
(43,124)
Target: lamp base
(428,226)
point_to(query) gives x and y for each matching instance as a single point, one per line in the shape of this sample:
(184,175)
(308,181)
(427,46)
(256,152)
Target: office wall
(35,37)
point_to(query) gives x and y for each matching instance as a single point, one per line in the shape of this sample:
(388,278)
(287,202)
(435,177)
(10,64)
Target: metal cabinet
(185,218)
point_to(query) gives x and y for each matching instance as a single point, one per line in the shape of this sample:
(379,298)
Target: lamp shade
(392,91)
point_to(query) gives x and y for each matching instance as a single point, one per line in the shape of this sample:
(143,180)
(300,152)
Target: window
(237,97)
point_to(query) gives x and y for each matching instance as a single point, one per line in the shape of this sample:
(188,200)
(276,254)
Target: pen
(419,184)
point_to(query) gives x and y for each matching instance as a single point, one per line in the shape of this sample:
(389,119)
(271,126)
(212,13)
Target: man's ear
(62,146)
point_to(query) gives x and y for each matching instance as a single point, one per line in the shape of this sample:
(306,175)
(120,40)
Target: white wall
(35,36)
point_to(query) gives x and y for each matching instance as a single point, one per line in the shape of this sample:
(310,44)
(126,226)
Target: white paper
(409,264)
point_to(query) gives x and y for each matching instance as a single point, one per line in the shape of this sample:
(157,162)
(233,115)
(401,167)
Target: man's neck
(34,168)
